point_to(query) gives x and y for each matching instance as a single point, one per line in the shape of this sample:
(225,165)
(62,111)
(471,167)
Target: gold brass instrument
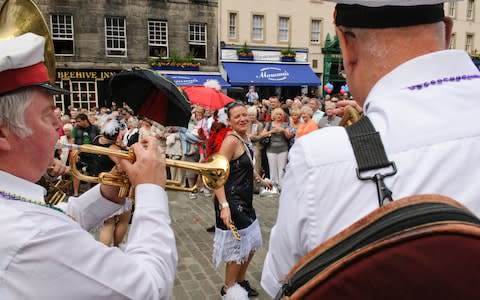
(214,172)
(56,190)
(350,116)
(18,17)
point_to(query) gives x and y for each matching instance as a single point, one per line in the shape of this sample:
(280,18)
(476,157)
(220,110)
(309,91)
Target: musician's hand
(343,103)
(57,168)
(150,163)
(226,216)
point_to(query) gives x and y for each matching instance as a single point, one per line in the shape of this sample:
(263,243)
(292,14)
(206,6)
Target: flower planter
(287,58)
(176,68)
(245,57)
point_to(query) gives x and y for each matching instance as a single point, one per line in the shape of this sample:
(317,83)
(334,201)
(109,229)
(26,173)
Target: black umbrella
(151,95)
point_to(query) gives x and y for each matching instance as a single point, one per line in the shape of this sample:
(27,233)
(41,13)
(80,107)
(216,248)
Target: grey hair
(252,110)
(307,110)
(12,110)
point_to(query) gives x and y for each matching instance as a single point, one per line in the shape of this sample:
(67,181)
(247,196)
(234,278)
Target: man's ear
(348,45)
(448,31)
(4,138)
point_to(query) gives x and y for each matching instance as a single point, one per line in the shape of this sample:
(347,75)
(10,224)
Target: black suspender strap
(370,155)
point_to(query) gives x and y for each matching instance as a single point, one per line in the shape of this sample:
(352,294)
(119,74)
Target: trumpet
(214,172)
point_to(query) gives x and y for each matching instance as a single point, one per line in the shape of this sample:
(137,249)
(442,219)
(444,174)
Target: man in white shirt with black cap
(410,87)
(46,252)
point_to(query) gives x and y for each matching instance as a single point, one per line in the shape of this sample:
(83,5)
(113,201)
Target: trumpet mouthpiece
(66,146)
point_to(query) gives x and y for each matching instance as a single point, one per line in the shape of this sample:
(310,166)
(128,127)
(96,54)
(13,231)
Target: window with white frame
(115,36)
(62,34)
(471,9)
(158,38)
(59,100)
(84,94)
(315,31)
(232,25)
(453,41)
(283,29)
(258,27)
(197,40)
(452,9)
(469,43)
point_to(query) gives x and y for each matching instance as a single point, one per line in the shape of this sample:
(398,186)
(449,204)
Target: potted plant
(244,52)
(288,54)
(174,62)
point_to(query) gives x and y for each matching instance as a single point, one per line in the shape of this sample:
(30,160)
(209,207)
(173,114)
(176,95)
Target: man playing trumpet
(46,251)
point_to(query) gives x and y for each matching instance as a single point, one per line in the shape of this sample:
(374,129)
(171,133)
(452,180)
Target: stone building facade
(96,38)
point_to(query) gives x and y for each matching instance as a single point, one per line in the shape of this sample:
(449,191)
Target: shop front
(273,71)
(88,87)
(286,80)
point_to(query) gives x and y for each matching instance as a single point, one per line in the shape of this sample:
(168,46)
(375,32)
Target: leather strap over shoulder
(370,155)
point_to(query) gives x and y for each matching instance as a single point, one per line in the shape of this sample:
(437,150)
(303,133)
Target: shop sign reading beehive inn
(99,75)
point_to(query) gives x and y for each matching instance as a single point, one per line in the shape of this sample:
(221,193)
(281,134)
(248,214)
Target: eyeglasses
(72,122)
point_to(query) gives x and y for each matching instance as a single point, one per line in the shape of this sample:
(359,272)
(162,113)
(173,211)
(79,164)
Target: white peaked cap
(22,64)
(20,52)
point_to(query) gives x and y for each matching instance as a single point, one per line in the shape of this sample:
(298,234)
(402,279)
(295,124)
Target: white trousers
(276,164)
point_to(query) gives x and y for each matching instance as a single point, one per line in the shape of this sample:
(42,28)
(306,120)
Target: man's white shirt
(431,133)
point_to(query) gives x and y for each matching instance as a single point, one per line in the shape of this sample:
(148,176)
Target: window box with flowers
(245,53)
(174,62)
(288,54)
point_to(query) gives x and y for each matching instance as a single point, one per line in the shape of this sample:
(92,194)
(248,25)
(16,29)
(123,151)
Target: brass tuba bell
(18,17)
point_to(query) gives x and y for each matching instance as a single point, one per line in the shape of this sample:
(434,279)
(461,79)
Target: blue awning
(244,74)
(196,80)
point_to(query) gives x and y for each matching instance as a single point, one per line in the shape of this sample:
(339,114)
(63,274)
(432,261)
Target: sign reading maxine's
(273,74)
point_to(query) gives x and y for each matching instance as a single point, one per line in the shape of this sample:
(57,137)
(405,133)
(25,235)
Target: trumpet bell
(18,17)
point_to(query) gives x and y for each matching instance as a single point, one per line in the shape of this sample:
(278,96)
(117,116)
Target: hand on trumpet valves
(149,165)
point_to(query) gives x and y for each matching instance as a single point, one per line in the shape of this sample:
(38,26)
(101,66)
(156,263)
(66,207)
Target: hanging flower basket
(288,58)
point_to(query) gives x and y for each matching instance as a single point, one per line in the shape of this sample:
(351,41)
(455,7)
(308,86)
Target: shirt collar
(21,187)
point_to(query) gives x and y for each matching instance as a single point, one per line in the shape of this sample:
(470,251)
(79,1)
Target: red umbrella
(207,97)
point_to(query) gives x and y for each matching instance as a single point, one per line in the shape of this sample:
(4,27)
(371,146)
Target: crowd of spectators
(274,126)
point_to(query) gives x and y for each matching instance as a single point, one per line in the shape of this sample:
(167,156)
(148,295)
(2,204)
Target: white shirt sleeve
(285,247)
(90,209)
(56,249)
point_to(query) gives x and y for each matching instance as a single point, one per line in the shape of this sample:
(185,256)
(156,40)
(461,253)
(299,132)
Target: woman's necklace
(245,138)
(14,197)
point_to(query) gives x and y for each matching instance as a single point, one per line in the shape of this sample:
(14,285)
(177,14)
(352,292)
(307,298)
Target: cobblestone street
(197,278)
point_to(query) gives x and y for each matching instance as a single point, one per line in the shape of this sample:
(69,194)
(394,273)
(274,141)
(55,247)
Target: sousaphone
(18,17)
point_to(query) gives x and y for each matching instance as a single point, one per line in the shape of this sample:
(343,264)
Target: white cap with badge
(387,14)
(22,64)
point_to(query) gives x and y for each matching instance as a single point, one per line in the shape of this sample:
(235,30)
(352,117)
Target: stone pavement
(197,278)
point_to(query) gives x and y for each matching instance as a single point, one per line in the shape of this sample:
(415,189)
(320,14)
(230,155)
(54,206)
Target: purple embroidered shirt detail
(444,80)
